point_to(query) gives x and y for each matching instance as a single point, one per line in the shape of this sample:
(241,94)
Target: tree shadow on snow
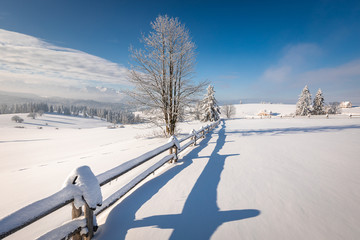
(25,140)
(200,216)
(60,122)
(278,131)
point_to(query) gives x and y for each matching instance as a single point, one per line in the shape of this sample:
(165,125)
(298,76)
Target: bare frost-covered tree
(229,110)
(163,70)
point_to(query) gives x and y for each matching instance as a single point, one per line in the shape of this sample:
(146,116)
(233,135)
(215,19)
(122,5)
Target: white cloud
(348,72)
(299,66)
(340,82)
(299,54)
(295,58)
(277,74)
(28,63)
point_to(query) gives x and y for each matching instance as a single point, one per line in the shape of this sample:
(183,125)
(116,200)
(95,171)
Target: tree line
(34,109)
(305,106)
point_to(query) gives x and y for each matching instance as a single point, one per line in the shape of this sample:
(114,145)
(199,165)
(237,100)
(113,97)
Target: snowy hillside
(251,110)
(353,110)
(279,110)
(32,156)
(278,178)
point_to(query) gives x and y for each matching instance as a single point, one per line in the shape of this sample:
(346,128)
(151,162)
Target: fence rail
(83,225)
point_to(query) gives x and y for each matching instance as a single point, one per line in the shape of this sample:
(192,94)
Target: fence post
(193,136)
(171,152)
(174,148)
(83,176)
(75,213)
(89,216)
(176,153)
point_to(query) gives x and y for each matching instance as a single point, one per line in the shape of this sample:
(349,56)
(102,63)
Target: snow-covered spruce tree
(210,108)
(318,104)
(303,106)
(163,70)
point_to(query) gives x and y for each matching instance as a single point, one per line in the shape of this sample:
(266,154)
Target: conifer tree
(211,110)
(318,104)
(303,106)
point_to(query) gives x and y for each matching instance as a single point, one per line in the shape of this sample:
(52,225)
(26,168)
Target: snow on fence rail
(82,190)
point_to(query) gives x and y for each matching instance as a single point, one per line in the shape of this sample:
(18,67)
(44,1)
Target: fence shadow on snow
(200,216)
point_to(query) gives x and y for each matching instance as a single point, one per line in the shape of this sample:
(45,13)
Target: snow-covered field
(251,110)
(36,162)
(278,178)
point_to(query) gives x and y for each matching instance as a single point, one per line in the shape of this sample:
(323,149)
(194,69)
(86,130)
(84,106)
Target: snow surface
(353,110)
(122,191)
(36,162)
(278,178)
(252,179)
(65,229)
(252,110)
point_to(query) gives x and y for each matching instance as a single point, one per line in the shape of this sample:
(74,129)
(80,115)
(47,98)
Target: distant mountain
(104,90)
(13,98)
(258,100)
(18,98)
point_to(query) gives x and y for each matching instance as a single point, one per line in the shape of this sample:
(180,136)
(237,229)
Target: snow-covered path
(294,179)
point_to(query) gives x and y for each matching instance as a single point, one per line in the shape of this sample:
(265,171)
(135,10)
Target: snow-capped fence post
(194,135)
(87,193)
(175,147)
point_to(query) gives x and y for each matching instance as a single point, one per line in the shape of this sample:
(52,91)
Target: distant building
(264,113)
(345,105)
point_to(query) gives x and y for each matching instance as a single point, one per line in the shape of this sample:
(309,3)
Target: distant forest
(112,116)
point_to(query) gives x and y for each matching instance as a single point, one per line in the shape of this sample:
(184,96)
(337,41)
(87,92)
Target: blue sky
(260,50)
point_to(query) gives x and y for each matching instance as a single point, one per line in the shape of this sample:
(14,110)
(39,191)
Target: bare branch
(163,70)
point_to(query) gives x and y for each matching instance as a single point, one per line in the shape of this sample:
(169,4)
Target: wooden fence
(83,223)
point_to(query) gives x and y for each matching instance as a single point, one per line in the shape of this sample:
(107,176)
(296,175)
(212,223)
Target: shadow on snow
(25,140)
(278,131)
(200,216)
